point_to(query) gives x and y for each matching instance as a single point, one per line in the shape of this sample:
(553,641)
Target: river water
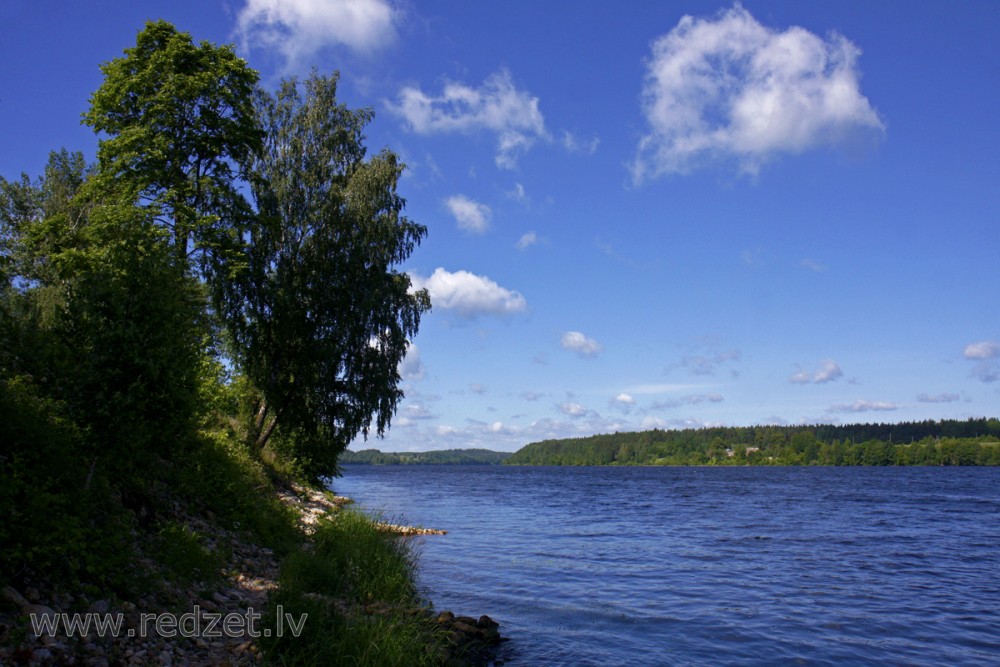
(709,566)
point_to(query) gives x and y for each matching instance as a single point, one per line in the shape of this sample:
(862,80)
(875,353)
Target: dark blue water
(709,566)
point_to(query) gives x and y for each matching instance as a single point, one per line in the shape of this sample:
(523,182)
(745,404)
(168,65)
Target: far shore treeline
(440,457)
(973,442)
(947,442)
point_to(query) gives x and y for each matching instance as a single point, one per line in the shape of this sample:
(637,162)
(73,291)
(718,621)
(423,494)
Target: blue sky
(649,214)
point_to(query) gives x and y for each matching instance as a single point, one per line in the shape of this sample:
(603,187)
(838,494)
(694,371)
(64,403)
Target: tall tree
(322,316)
(181,127)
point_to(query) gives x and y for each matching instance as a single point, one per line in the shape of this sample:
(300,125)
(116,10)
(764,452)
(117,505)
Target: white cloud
(574,341)
(518,194)
(411,367)
(574,144)
(938,398)
(418,411)
(625,399)
(986,349)
(470,215)
(984,353)
(863,406)
(298,29)
(572,409)
(469,295)
(477,388)
(707,363)
(828,371)
(731,87)
(693,399)
(497,106)
(527,240)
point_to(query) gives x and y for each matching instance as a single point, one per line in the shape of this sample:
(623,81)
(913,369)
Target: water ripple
(694,566)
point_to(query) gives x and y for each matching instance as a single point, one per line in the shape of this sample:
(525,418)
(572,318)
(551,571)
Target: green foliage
(153,322)
(352,563)
(220,477)
(335,636)
(180,127)
(59,523)
(320,315)
(183,551)
(884,444)
(352,559)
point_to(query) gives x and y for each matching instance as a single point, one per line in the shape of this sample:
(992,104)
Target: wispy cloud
(729,88)
(938,398)
(471,216)
(298,29)
(575,144)
(496,106)
(527,240)
(986,354)
(518,194)
(469,295)
(691,399)
(585,347)
(705,361)
(812,265)
(411,367)
(863,406)
(828,371)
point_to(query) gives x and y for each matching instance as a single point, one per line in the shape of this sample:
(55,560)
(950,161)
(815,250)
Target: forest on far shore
(946,442)
(439,457)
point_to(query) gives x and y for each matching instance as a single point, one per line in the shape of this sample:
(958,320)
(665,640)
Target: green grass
(356,585)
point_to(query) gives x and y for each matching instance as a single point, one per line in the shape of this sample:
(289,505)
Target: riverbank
(345,594)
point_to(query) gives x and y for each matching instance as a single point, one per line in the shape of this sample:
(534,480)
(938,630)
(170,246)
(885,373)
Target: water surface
(720,566)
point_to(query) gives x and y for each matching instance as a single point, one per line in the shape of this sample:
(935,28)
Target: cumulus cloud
(574,341)
(938,398)
(828,371)
(575,410)
(863,406)
(986,349)
(298,29)
(625,399)
(470,215)
(411,367)
(527,240)
(729,87)
(469,295)
(497,106)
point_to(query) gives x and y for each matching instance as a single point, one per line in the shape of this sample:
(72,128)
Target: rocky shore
(250,573)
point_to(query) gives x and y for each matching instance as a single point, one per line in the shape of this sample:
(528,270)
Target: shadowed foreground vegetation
(948,442)
(191,326)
